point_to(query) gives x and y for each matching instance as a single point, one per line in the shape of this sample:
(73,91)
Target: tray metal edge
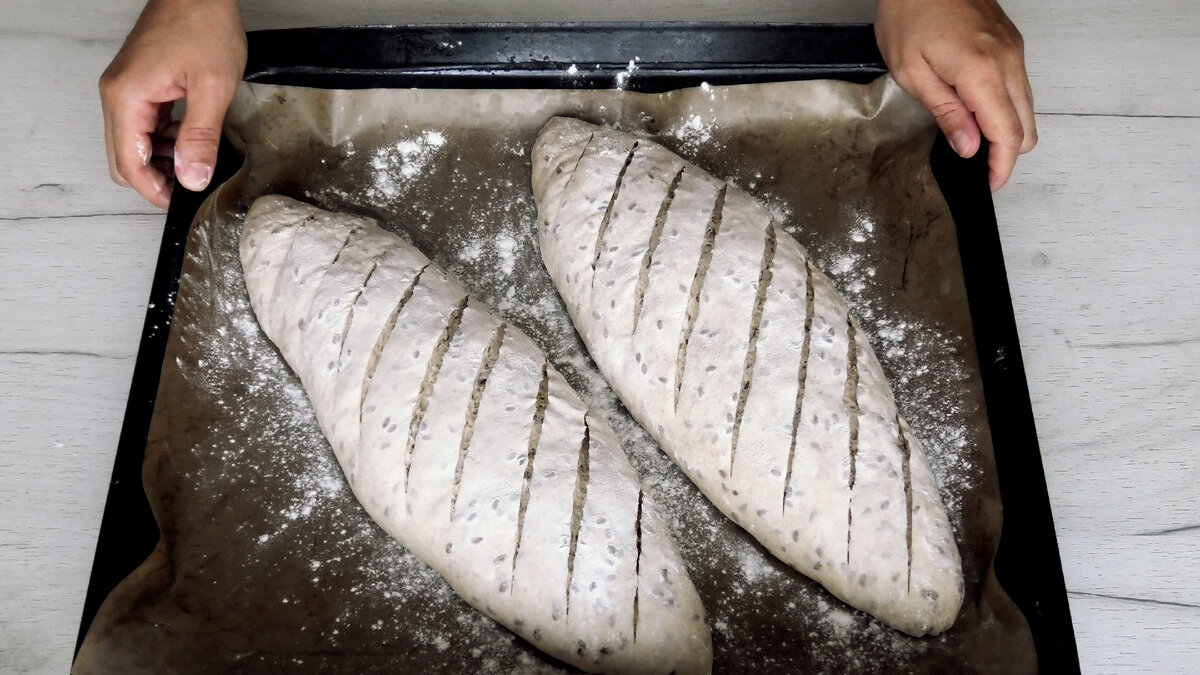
(1030,558)
(128,531)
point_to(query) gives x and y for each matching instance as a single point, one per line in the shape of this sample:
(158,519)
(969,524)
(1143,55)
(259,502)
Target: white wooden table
(1099,228)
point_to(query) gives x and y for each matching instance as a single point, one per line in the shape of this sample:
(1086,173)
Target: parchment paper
(267,563)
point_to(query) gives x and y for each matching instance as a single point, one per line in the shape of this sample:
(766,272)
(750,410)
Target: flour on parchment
(491,247)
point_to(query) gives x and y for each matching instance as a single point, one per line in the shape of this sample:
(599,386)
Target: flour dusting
(465,200)
(624,75)
(693,133)
(397,164)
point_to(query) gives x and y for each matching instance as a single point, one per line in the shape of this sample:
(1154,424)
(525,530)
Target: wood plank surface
(61,416)
(1099,228)
(73,294)
(52,142)
(76,285)
(1111,57)
(1101,242)
(1101,57)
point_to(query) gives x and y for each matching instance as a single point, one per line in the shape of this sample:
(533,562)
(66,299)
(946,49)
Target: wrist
(205,16)
(191,7)
(194,4)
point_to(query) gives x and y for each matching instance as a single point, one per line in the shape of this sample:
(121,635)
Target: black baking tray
(669,56)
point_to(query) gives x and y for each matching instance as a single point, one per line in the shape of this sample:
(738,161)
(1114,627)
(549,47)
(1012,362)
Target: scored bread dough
(738,355)
(461,440)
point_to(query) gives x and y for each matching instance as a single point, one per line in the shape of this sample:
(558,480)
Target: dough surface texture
(461,440)
(741,359)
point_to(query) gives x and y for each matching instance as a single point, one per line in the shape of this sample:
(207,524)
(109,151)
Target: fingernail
(162,191)
(194,175)
(960,141)
(143,150)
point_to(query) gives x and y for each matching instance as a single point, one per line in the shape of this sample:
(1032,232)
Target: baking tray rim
(1030,556)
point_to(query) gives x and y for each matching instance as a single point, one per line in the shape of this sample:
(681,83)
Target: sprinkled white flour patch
(692,133)
(624,75)
(397,164)
(473,250)
(755,566)
(505,246)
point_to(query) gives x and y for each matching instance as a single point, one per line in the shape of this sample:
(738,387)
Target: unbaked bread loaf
(741,359)
(467,446)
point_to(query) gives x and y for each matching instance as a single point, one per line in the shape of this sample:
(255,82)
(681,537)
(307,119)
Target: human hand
(965,62)
(190,49)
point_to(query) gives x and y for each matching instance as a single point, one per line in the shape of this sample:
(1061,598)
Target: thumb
(200,133)
(953,116)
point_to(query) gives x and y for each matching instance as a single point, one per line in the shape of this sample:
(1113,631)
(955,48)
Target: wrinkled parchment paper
(267,564)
